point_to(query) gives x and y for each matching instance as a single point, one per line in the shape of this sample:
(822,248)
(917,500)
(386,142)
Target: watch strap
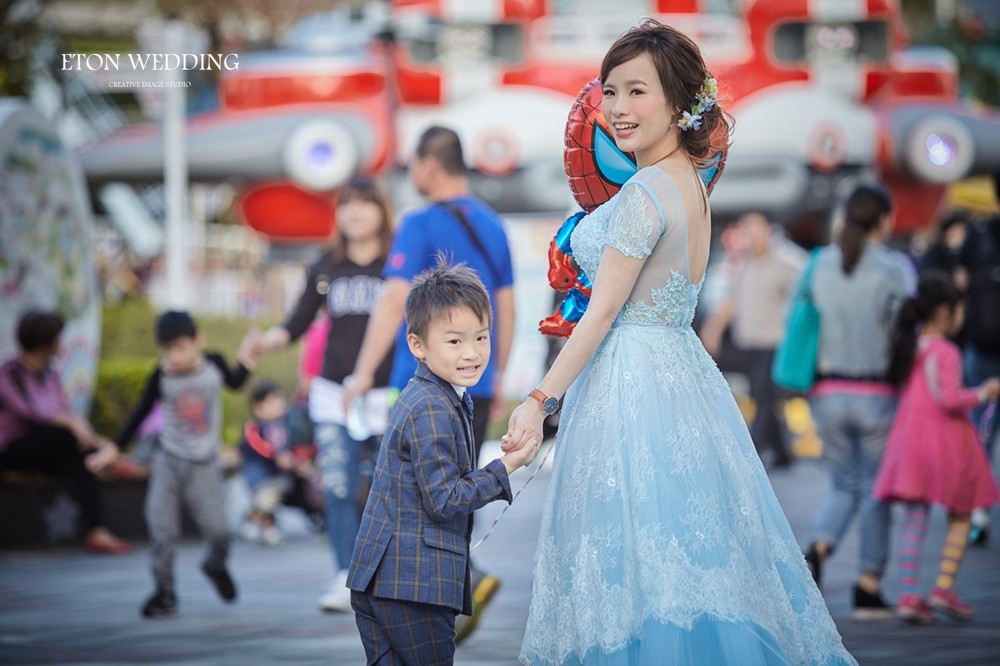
(539,396)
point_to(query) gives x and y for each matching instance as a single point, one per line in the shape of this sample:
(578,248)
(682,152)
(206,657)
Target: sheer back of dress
(649,219)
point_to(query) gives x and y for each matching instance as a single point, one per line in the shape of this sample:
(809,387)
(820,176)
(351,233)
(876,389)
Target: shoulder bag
(794,366)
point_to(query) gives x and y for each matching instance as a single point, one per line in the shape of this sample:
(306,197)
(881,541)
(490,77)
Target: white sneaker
(337,598)
(251,531)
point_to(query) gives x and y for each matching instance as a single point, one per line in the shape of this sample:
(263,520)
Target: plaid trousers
(404,633)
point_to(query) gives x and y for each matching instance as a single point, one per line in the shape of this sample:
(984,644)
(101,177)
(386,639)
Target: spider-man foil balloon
(597,169)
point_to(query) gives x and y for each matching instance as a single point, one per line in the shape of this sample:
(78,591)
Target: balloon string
(525,485)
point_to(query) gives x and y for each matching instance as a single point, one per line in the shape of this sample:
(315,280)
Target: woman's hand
(525,426)
(355,386)
(105,454)
(273,338)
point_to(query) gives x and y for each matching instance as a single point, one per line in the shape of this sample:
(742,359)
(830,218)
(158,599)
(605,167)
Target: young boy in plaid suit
(410,572)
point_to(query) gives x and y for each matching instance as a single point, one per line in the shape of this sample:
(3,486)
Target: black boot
(163,603)
(222,581)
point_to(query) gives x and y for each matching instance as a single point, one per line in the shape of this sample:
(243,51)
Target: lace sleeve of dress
(636,223)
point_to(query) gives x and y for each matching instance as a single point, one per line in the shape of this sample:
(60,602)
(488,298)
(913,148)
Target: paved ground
(66,607)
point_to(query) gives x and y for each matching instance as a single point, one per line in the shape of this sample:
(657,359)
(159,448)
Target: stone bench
(41,510)
(38,510)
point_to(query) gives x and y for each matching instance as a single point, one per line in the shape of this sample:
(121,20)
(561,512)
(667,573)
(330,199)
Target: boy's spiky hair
(437,291)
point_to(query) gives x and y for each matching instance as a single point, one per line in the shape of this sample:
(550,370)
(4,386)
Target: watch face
(550,406)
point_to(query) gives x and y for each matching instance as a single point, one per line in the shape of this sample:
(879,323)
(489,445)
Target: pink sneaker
(914,610)
(947,602)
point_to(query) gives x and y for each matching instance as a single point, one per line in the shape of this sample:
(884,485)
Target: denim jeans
(854,429)
(257,470)
(980,366)
(341,463)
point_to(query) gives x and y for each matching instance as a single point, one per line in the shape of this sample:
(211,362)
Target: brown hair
(682,73)
(365,190)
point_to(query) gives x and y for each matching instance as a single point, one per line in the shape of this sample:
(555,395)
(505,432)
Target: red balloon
(590,187)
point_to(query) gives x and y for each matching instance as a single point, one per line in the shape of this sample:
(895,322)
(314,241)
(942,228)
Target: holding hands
(251,349)
(272,338)
(521,452)
(101,451)
(990,389)
(105,454)
(524,427)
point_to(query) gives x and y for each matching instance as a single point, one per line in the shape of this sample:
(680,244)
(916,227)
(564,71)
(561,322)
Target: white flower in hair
(704,102)
(688,121)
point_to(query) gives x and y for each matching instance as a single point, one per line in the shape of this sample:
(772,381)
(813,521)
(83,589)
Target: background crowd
(313,446)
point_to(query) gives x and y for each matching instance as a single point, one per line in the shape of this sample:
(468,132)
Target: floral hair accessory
(704,101)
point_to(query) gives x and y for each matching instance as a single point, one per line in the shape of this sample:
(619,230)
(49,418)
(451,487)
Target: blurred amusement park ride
(824,92)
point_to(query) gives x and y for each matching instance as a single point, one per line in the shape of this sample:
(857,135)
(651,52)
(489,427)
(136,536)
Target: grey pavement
(62,606)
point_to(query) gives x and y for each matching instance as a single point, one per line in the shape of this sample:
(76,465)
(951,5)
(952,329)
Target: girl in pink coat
(933,455)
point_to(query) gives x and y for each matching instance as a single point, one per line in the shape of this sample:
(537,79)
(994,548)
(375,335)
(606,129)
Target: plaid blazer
(413,543)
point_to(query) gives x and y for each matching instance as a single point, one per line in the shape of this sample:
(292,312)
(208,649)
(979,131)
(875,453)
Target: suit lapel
(456,403)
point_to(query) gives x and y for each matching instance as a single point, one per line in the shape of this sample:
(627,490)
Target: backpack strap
(478,244)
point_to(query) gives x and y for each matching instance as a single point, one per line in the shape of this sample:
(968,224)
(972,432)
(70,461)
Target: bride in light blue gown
(662,541)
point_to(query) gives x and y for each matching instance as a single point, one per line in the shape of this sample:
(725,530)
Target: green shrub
(120,382)
(127,330)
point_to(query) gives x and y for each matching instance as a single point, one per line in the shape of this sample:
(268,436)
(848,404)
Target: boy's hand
(250,349)
(522,457)
(285,460)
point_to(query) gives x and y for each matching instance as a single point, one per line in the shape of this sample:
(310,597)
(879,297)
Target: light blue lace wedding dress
(661,540)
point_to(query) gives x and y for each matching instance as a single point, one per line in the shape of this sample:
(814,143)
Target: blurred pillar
(175,178)
(944,10)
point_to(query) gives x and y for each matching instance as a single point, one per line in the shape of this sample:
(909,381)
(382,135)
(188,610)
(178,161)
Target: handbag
(794,366)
